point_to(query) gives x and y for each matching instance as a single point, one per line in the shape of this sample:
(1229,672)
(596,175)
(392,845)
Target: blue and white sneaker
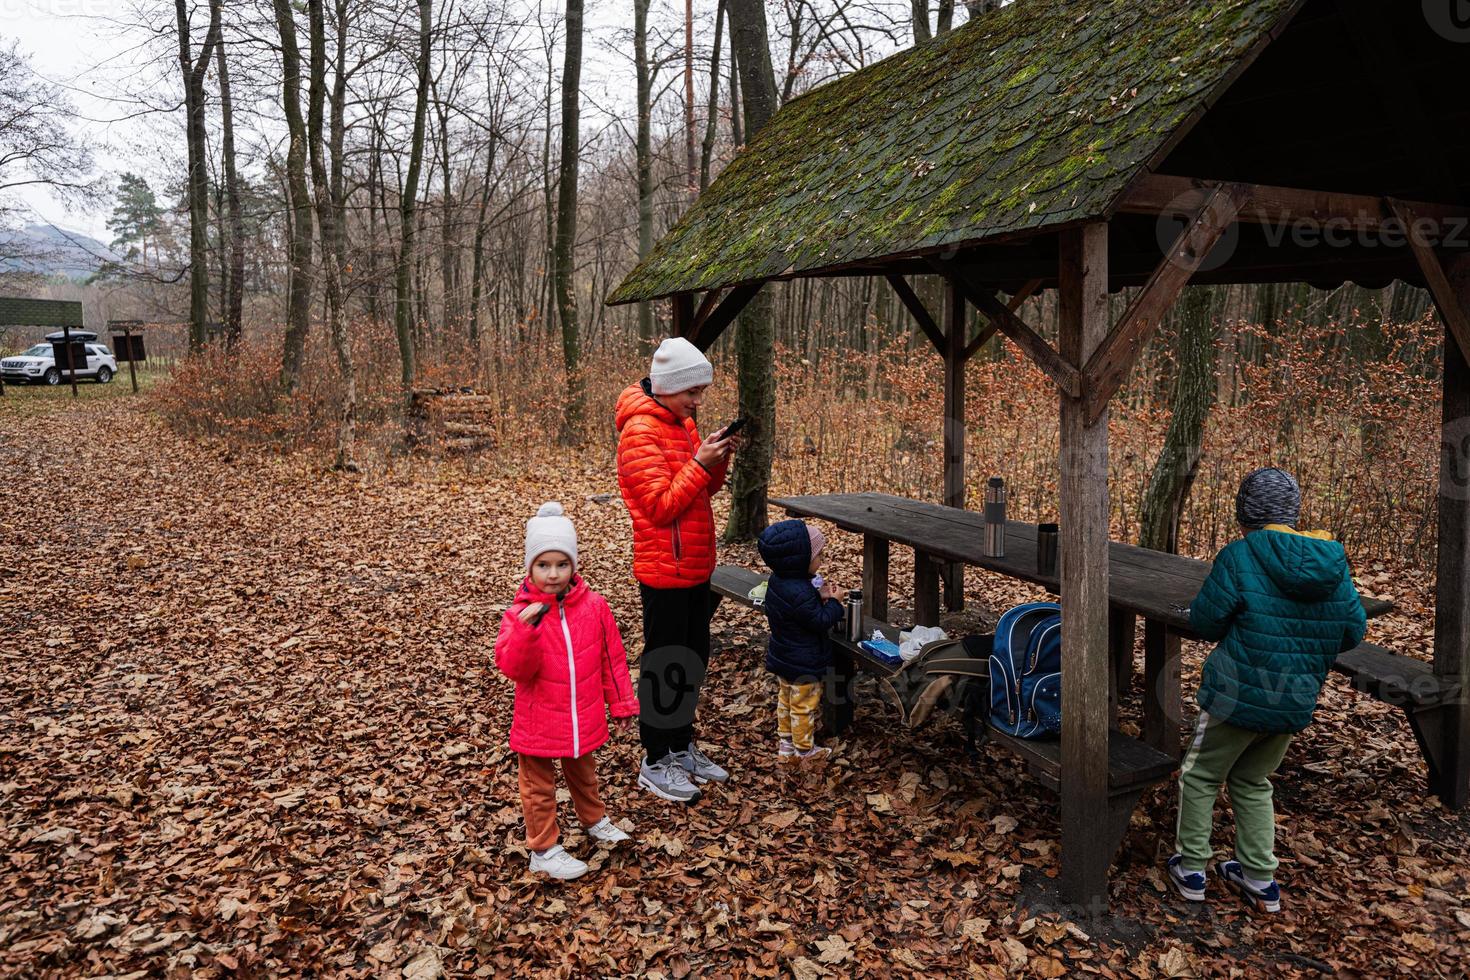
(1266,899)
(1189,884)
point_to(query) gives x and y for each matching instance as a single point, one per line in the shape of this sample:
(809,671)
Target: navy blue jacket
(800,650)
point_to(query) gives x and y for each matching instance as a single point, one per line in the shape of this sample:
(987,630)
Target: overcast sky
(75,44)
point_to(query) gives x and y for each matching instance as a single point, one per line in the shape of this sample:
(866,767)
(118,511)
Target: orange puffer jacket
(667,493)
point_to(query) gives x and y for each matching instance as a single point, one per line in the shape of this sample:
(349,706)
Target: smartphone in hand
(734,427)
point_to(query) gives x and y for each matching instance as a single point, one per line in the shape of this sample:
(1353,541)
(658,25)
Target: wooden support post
(1083,279)
(954,429)
(132,361)
(875,576)
(683,315)
(1162,700)
(1121,628)
(926,589)
(1452,585)
(71,361)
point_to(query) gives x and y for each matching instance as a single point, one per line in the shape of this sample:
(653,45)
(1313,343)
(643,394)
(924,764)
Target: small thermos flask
(855,616)
(1046,550)
(995,518)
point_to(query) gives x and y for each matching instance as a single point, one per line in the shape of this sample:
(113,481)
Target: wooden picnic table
(1141,583)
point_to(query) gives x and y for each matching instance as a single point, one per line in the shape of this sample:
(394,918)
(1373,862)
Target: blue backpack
(1026,671)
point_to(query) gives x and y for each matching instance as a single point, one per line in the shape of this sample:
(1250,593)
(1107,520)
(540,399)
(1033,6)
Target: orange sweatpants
(538,796)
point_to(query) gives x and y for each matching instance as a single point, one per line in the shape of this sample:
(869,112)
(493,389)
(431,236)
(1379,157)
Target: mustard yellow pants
(796,713)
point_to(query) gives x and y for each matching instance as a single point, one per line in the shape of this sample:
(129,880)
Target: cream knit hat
(678,366)
(550,530)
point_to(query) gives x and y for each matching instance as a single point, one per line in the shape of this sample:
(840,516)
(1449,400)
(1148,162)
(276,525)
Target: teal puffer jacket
(1282,606)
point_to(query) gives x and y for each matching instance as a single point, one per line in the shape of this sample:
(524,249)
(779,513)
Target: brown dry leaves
(249,726)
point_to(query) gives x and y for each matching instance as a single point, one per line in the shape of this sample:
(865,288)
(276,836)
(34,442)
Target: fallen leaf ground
(249,724)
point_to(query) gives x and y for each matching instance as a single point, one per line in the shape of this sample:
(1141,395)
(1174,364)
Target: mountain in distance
(47,250)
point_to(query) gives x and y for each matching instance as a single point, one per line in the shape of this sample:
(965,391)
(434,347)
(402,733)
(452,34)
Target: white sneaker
(604,832)
(557,863)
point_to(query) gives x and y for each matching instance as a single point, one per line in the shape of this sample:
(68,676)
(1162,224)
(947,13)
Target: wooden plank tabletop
(1152,584)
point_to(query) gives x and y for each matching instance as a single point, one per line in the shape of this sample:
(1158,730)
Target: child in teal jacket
(1281,605)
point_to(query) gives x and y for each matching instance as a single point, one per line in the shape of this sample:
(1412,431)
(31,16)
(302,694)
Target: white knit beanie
(550,530)
(678,366)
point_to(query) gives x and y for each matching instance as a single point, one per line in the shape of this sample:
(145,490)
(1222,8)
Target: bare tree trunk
(1194,394)
(689,178)
(403,317)
(566,227)
(338,136)
(644,162)
(326,218)
(712,117)
(235,281)
(198,181)
(737,132)
(978,7)
(477,274)
(921,21)
(945,19)
(755,335)
(298,311)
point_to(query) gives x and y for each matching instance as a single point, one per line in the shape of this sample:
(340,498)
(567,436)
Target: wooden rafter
(916,308)
(705,306)
(708,329)
(1045,356)
(973,347)
(1111,362)
(988,329)
(1451,310)
(1157,194)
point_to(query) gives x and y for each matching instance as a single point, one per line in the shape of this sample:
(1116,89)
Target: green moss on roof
(1033,116)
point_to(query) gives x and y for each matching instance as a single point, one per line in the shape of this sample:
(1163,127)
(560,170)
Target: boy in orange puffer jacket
(667,476)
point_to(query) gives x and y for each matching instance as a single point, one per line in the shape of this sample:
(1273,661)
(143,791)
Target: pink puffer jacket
(569,669)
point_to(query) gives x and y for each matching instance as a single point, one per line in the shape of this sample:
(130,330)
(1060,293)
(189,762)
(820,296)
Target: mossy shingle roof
(1034,116)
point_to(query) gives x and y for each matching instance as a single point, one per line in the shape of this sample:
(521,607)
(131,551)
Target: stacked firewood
(455,420)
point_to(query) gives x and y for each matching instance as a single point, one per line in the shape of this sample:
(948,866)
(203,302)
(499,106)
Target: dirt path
(247,724)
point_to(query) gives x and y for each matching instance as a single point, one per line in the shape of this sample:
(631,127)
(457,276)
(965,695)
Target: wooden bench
(1406,683)
(1133,766)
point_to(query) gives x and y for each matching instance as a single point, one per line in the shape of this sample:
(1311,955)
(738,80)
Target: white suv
(39,365)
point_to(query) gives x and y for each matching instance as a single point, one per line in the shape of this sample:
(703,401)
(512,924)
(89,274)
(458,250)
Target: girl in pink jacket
(561,646)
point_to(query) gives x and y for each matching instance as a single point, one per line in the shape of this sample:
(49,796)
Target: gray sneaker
(698,765)
(667,780)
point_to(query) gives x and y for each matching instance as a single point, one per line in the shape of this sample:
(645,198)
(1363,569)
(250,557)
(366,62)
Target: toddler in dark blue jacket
(802,611)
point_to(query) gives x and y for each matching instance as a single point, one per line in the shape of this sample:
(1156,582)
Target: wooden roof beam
(1158,194)
(916,308)
(1109,365)
(1044,355)
(1451,310)
(711,320)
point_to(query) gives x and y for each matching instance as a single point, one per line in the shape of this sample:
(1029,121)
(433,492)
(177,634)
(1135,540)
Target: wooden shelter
(1092,145)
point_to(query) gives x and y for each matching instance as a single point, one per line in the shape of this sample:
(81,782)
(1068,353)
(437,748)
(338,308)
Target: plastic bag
(910,642)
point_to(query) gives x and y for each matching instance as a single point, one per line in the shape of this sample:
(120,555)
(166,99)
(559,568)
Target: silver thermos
(855,616)
(995,518)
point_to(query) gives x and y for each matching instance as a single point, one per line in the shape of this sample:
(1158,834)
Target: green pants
(1243,760)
